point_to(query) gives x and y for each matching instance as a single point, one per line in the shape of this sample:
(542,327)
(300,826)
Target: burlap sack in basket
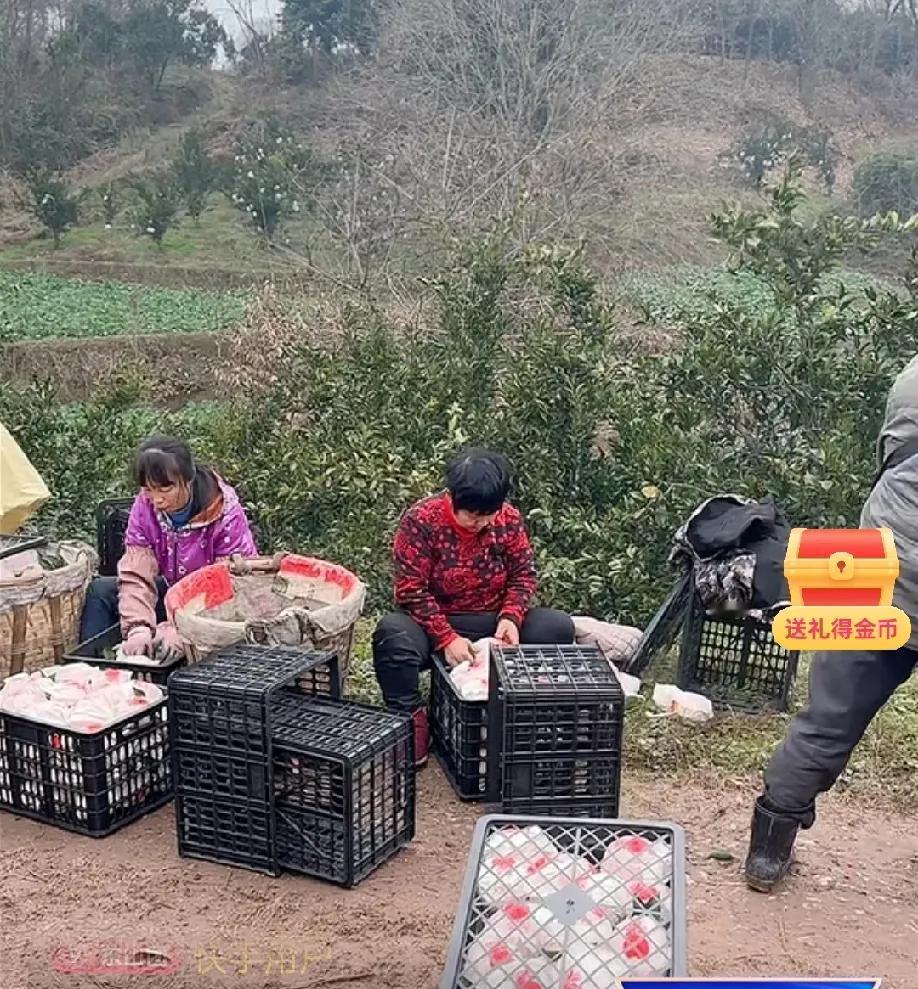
(328,625)
(40,613)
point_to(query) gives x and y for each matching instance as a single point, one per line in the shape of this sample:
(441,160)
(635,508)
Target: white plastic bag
(631,685)
(78,696)
(471,679)
(682,703)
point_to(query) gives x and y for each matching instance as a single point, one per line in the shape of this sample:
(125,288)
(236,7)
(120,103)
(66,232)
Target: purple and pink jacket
(154,547)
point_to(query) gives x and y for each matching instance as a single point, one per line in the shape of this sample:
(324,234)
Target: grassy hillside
(644,183)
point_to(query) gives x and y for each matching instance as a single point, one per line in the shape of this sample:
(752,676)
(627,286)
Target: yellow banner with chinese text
(806,628)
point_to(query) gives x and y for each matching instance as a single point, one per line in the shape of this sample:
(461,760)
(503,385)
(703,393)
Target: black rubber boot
(771,848)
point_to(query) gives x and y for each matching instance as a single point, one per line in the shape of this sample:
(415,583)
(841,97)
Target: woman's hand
(507,632)
(167,646)
(459,651)
(139,642)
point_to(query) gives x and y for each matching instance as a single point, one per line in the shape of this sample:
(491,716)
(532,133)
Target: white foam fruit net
(569,907)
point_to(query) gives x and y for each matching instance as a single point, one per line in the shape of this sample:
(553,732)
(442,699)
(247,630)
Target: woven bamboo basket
(40,611)
(287,599)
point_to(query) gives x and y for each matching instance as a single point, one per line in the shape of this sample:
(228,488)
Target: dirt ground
(850,910)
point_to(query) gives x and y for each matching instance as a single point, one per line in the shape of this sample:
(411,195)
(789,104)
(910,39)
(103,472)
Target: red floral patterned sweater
(441,568)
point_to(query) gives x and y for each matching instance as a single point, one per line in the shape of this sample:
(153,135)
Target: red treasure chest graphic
(841,585)
(839,568)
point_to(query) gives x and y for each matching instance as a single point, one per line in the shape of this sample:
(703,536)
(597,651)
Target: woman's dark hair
(478,481)
(163,460)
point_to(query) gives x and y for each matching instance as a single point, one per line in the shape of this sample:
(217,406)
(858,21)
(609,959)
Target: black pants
(847,689)
(101,608)
(401,648)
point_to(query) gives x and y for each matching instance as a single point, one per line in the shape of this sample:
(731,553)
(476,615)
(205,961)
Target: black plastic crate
(556,715)
(566,785)
(93,784)
(735,662)
(459,730)
(343,786)
(228,831)
(93,652)
(220,721)
(221,701)
(664,628)
(111,524)
(237,776)
(561,902)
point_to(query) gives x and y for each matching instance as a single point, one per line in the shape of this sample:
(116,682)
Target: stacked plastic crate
(548,739)
(220,720)
(555,721)
(273,771)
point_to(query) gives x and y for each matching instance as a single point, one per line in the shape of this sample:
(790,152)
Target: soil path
(851,908)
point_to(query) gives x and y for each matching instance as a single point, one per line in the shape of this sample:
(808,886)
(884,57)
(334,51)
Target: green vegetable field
(36,307)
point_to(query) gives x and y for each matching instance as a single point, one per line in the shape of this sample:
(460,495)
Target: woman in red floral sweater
(464,570)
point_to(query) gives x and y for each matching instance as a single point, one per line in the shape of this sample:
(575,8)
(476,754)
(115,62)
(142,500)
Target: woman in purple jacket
(184,518)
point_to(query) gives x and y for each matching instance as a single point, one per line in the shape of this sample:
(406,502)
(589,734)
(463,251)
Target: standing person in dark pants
(847,689)
(464,570)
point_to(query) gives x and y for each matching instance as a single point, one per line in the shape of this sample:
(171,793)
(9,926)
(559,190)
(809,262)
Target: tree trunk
(749,37)
(162,73)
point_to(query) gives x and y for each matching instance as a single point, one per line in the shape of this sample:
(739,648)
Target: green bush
(773,141)
(52,203)
(157,206)
(108,203)
(273,177)
(779,393)
(194,173)
(885,182)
